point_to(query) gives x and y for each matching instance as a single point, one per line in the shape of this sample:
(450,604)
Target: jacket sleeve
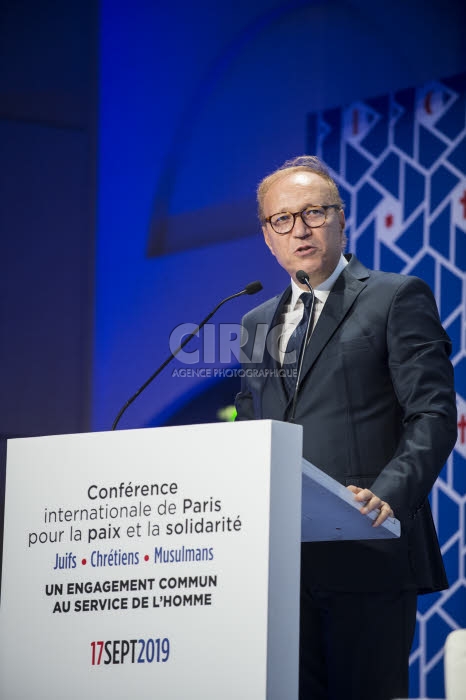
(422,376)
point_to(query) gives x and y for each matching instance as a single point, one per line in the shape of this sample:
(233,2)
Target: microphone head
(302,277)
(253,287)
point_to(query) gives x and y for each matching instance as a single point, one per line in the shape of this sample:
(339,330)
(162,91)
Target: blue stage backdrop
(400,161)
(197,102)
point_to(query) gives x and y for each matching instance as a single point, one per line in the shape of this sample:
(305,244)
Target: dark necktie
(295,344)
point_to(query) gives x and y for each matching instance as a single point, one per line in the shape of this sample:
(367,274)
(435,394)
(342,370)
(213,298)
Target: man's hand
(370,502)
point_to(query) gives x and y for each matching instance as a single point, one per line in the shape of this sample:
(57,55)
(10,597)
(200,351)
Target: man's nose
(300,229)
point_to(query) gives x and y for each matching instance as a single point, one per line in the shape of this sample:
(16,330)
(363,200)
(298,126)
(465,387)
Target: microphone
(251,288)
(303,278)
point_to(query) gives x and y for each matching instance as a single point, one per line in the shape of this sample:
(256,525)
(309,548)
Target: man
(377,406)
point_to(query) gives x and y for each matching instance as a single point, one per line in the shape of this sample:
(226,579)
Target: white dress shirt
(294,310)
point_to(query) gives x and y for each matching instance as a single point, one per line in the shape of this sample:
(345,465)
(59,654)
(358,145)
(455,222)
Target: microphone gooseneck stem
(251,288)
(303,279)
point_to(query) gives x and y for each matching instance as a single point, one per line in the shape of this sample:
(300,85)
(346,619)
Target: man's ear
(267,239)
(344,237)
(341,216)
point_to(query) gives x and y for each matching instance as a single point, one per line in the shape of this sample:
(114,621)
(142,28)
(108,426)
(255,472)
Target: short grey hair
(310,164)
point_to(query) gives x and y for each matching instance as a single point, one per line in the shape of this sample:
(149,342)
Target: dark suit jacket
(378,410)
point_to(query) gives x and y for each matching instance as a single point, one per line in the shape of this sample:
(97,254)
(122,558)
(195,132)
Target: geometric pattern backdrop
(400,163)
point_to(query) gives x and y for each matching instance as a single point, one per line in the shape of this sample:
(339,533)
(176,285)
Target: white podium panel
(153,563)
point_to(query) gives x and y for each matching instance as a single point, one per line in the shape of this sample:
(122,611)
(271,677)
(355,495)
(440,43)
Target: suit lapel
(340,300)
(344,293)
(271,363)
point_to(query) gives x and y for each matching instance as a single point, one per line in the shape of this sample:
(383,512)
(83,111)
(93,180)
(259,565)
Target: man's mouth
(303,249)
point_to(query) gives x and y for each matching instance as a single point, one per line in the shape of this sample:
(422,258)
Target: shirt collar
(325,286)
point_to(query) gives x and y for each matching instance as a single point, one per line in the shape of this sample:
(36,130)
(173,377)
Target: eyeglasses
(312,216)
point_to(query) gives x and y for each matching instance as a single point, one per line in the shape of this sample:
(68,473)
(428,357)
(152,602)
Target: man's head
(312,238)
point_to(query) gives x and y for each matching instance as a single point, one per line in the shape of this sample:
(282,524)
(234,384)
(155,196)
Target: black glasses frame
(325,207)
